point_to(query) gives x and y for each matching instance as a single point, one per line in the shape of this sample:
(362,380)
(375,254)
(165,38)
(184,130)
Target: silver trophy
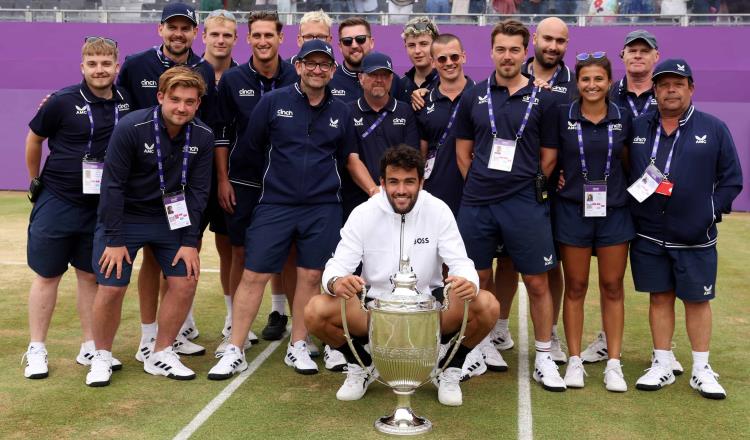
(404,336)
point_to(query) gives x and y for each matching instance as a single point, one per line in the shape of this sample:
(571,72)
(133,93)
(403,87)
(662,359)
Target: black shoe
(275,327)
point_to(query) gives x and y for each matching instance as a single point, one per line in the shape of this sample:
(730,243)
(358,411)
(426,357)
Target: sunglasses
(583,56)
(311,65)
(454,57)
(417,28)
(222,13)
(108,41)
(360,39)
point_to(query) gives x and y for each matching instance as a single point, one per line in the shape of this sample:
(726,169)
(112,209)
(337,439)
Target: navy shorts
(519,223)
(313,228)
(691,272)
(573,229)
(163,243)
(59,233)
(238,222)
(213,216)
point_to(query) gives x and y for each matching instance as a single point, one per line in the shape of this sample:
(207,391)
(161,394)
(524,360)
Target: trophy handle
(456,341)
(348,336)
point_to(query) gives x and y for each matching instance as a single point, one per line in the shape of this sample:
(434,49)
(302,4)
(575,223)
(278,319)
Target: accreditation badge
(595,199)
(429,164)
(501,157)
(91,171)
(177,210)
(646,185)
(665,188)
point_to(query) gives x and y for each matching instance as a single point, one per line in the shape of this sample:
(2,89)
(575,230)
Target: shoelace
(100,364)
(580,365)
(356,373)
(709,373)
(25,356)
(450,376)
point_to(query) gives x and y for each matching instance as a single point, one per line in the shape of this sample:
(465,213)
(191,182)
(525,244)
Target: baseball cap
(376,61)
(314,46)
(178,10)
(644,35)
(675,66)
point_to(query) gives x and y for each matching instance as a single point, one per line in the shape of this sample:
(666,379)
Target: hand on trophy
(348,286)
(462,288)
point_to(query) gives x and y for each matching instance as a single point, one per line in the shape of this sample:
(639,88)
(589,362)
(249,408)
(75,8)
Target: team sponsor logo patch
(81,110)
(701,139)
(559,89)
(191,149)
(430,108)
(527,97)
(147,84)
(616,127)
(639,140)
(123,107)
(572,125)
(334,123)
(399,121)
(337,92)
(482,99)
(148,149)
(247,92)
(422,240)
(358,122)
(284,113)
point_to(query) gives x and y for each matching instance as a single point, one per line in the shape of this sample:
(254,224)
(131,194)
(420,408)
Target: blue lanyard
(91,131)
(671,150)
(554,75)
(635,110)
(584,168)
(451,120)
(375,124)
(525,116)
(185,154)
(259,78)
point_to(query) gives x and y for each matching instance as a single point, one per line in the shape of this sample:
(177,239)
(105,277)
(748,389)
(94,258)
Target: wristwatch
(330,284)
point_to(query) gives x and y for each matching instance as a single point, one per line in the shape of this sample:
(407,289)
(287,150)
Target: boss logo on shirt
(81,110)
(482,99)
(399,121)
(701,139)
(559,89)
(572,125)
(149,84)
(334,123)
(191,149)
(123,107)
(616,127)
(246,92)
(527,97)
(422,240)
(639,140)
(284,113)
(358,122)
(430,108)
(148,149)
(337,92)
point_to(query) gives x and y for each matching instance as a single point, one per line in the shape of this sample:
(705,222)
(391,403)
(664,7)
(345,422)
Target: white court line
(525,428)
(22,263)
(219,400)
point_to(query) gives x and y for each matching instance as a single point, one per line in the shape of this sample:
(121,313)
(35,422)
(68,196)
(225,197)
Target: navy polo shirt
(705,171)
(303,146)
(620,95)
(64,121)
(445,182)
(595,147)
(407,84)
(240,90)
(564,83)
(345,85)
(484,185)
(130,184)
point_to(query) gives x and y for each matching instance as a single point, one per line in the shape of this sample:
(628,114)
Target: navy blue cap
(314,46)
(376,61)
(178,10)
(675,66)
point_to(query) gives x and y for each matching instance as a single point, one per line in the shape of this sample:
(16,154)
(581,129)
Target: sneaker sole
(503,347)
(169,375)
(611,390)
(677,372)
(547,387)
(589,361)
(646,387)
(497,368)
(336,368)
(305,372)
(37,376)
(98,384)
(117,367)
(197,353)
(712,396)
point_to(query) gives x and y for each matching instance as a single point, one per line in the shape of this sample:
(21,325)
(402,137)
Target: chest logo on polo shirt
(559,89)
(247,92)
(358,122)
(81,110)
(148,149)
(572,125)
(149,84)
(123,107)
(701,139)
(707,290)
(399,121)
(430,108)
(527,97)
(482,99)
(639,140)
(191,149)
(284,113)
(337,92)
(334,123)
(422,240)
(616,127)
(548,260)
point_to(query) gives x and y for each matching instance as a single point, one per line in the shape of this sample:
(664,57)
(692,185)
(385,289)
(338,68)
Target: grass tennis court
(275,402)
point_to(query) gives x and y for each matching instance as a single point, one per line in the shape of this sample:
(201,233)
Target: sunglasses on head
(583,56)
(360,39)
(419,27)
(454,57)
(222,13)
(109,41)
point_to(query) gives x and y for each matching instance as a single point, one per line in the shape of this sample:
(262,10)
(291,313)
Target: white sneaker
(312,348)
(614,380)
(36,363)
(232,361)
(556,352)
(574,373)
(677,369)
(185,347)
(356,382)
(86,355)
(167,363)
(656,377)
(705,382)
(227,330)
(225,341)
(597,350)
(101,369)
(189,331)
(449,388)
(473,364)
(298,357)
(145,349)
(334,359)
(547,374)
(501,338)
(492,358)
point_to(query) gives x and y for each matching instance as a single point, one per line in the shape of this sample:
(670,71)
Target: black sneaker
(275,327)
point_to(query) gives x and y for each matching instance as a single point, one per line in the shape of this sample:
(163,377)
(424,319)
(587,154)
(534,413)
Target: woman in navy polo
(592,213)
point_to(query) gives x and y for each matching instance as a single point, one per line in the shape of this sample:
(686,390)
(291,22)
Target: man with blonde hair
(418,35)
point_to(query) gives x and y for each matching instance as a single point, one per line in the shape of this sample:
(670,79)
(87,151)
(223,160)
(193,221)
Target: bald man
(550,43)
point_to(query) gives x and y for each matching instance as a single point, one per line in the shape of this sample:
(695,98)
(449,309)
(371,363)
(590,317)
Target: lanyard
(584,168)
(635,110)
(451,120)
(671,150)
(263,86)
(91,132)
(183,178)
(554,75)
(525,116)
(375,124)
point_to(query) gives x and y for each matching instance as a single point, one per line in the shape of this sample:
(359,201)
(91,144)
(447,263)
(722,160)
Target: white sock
(502,324)
(88,346)
(554,330)
(663,357)
(278,303)
(228,302)
(148,331)
(542,349)
(189,321)
(613,363)
(35,345)
(700,360)
(104,354)
(574,359)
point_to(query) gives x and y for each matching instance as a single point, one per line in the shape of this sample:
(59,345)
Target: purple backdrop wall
(48,60)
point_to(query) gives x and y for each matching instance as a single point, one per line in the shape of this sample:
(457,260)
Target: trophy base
(403,422)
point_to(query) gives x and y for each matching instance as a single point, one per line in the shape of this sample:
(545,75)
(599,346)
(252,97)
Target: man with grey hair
(418,35)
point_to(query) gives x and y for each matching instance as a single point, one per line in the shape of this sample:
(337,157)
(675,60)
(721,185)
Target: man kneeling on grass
(371,236)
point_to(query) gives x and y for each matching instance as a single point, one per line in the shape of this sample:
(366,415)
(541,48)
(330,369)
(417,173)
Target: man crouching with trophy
(402,236)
